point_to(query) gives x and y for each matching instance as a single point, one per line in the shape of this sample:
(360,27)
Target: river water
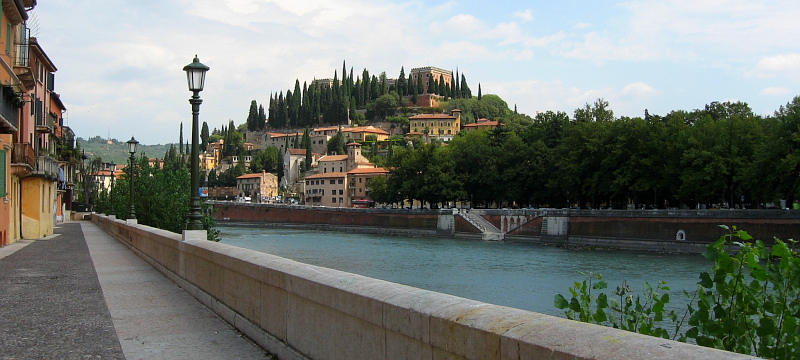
(521,275)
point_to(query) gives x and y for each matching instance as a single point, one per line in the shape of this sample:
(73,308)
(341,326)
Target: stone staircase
(490,232)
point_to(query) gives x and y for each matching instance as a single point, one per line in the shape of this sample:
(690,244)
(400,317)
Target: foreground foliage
(749,302)
(160,197)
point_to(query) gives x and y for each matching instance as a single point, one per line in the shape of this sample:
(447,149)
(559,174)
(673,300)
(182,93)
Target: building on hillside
(327,189)
(426,74)
(282,141)
(258,186)
(357,184)
(211,158)
(158,163)
(441,126)
(360,133)
(344,163)
(483,124)
(323,82)
(293,159)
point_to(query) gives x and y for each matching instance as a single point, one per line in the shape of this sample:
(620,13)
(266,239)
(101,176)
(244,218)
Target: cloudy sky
(120,61)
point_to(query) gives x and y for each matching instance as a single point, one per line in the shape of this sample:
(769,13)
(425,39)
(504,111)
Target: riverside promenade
(80,294)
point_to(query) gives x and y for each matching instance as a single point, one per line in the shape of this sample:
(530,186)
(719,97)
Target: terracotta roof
(368,171)
(251,176)
(326,128)
(297,151)
(333,158)
(366,129)
(431,116)
(326,175)
(484,122)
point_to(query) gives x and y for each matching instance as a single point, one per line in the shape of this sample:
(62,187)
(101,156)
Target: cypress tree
(401,82)
(479,91)
(262,118)
(456,87)
(252,116)
(204,136)
(180,139)
(465,91)
(367,86)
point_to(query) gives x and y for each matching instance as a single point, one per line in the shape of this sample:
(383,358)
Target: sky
(120,61)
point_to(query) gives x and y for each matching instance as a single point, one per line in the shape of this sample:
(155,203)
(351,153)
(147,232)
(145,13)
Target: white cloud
(780,62)
(462,24)
(776,91)
(583,25)
(525,15)
(640,89)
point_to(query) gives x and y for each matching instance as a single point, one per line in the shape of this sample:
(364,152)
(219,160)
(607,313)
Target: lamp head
(132,145)
(196,74)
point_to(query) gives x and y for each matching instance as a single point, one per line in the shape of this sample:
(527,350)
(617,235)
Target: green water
(519,275)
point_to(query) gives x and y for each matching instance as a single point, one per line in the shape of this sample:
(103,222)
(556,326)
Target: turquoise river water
(520,275)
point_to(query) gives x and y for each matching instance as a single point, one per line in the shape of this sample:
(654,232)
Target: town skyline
(121,71)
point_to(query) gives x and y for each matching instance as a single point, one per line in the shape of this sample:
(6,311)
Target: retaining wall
(300,311)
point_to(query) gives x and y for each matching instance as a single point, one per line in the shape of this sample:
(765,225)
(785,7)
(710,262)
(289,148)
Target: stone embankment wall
(687,231)
(423,220)
(300,311)
(668,230)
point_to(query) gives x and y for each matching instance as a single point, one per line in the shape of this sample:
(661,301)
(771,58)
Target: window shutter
(3,173)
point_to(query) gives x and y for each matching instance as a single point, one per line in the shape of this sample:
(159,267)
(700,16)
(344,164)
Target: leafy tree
(336,144)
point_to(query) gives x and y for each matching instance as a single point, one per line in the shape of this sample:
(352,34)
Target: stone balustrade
(300,311)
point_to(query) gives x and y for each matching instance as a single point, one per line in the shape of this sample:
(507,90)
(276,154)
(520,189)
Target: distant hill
(117,151)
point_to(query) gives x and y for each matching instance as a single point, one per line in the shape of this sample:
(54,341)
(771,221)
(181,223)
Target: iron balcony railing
(23,153)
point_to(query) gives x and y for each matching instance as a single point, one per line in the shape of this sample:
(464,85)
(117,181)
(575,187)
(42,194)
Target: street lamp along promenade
(196,77)
(131,149)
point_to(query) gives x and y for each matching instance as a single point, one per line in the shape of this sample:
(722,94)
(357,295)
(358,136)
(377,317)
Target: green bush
(749,302)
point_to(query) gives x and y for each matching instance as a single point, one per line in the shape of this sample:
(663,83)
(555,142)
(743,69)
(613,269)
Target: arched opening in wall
(680,235)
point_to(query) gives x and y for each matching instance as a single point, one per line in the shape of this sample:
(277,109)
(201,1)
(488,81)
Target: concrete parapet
(301,311)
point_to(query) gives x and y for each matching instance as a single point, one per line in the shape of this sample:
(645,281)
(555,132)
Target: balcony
(23,159)
(10,102)
(46,167)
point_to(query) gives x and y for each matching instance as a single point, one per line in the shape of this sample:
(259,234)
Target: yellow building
(441,126)
(257,186)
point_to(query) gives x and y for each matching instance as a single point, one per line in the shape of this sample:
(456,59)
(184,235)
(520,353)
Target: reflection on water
(520,275)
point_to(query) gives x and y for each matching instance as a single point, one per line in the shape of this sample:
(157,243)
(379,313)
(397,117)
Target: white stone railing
(300,311)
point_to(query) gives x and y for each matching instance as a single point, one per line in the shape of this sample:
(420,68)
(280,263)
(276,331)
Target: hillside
(118,151)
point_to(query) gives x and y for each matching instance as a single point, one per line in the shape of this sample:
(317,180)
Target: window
(359,180)
(332,182)
(360,190)
(333,200)
(341,181)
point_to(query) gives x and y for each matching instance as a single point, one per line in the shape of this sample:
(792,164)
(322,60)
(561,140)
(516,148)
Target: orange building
(357,183)
(483,124)
(37,157)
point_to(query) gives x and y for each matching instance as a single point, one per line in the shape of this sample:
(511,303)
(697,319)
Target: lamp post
(196,76)
(111,168)
(131,149)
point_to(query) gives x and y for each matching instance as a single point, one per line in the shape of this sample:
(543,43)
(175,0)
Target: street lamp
(196,77)
(111,168)
(131,149)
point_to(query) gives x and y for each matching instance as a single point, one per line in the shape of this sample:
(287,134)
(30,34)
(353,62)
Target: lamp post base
(194,235)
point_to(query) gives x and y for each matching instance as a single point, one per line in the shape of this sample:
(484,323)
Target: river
(521,275)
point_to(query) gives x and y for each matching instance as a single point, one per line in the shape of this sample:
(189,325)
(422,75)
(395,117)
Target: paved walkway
(80,294)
